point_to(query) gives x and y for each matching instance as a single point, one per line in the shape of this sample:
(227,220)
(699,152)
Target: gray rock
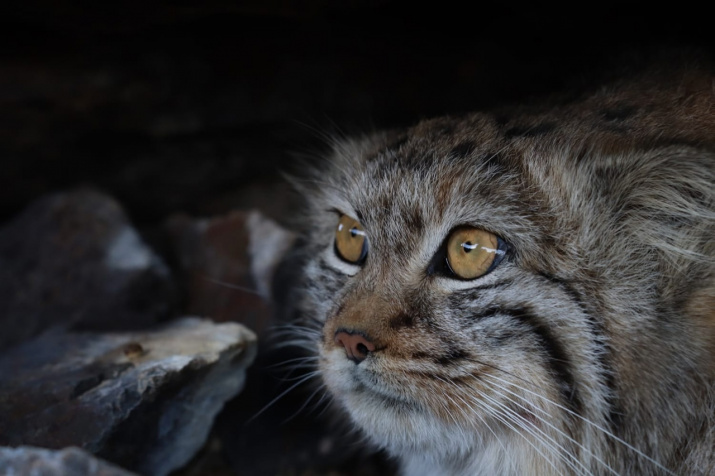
(30,461)
(73,260)
(268,246)
(225,265)
(143,400)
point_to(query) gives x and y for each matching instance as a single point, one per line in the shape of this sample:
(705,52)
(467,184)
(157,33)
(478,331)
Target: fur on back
(590,349)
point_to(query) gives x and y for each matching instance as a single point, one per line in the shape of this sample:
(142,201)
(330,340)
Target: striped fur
(591,348)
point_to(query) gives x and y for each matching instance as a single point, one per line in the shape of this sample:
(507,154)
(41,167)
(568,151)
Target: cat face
(428,345)
(477,304)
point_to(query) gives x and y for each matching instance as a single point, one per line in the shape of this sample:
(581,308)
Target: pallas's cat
(524,292)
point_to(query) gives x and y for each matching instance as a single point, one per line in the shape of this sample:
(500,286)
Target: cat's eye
(472,252)
(350,240)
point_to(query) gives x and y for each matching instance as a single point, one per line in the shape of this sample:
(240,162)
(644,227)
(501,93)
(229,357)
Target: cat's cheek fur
(510,457)
(399,427)
(427,441)
(426,444)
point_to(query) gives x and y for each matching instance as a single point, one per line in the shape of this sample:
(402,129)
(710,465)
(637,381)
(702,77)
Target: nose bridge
(366,314)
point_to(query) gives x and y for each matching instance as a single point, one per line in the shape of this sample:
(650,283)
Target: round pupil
(354,231)
(467,246)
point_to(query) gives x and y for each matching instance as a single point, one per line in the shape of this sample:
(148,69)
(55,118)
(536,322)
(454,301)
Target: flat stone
(27,460)
(73,260)
(143,400)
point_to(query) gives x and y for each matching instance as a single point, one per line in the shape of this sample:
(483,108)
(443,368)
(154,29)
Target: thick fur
(591,348)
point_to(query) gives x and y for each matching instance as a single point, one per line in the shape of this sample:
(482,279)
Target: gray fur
(591,348)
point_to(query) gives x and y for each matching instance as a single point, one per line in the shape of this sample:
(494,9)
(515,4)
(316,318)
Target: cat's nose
(357,346)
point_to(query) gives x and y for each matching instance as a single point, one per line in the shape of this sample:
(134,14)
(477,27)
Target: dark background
(193,106)
(196,107)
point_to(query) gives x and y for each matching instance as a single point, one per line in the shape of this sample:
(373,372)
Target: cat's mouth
(364,384)
(366,387)
(383,407)
(386,400)
(368,384)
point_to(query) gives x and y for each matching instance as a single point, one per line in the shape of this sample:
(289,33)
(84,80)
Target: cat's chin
(402,427)
(390,419)
(426,445)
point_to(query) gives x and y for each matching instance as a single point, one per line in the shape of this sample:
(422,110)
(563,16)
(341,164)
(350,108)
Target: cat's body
(589,348)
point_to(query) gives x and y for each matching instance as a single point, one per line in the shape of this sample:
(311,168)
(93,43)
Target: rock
(226,265)
(143,400)
(269,244)
(27,460)
(73,260)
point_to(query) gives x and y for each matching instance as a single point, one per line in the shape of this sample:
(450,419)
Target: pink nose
(357,346)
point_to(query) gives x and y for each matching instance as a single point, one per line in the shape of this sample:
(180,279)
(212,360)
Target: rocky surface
(30,461)
(194,110)
(74,260)
(226,265)
(144,400)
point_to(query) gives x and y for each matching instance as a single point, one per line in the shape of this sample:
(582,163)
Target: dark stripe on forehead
(413,220)
(500,161)
(495,161)
(396,144)
(463,149)
(620,112)
(360,216)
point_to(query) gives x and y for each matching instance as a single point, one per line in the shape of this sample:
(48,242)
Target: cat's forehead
(439,171)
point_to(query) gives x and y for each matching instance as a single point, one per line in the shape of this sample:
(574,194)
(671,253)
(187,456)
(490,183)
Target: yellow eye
(350,240)
(471,252)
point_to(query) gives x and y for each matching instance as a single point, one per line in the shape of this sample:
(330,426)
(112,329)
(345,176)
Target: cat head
(468,292)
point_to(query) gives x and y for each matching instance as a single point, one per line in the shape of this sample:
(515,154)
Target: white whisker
(586,420)
(545,422)
(283,394)
(305,404)
(297,360)
(235,287)
(555,448)
(504,421)
(481,418)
